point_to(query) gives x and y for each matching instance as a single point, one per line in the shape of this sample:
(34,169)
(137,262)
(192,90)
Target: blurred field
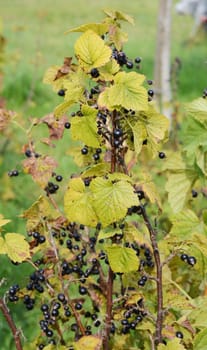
(34,32)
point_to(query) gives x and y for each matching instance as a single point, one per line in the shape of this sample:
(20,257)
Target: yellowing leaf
(185,223)
(63,108)
(109,70)
(131,233)
(108,233)
(117,36)
(150,190)
(96,170)
(118,15)
(122,259)
(78,204)
(84,128)
(2,248)
(126,92)
(49,78)
(111,199)
(195,137)
(3,221)
(172,345)
(139,134)
(16,247)
(89,342)
(40,168)
(178,186)
(91,50)
(98,28)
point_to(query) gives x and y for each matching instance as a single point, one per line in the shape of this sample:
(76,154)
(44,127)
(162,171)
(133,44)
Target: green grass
(34,31)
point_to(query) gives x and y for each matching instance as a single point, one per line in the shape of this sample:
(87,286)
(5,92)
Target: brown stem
(159,319)
(108,309)
(12,326)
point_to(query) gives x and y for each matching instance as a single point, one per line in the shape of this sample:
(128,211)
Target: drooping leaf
(107,233)
(40,168)
(117,36)
(91,50)
(200,340)
(111,199)
(98,28)
(56,126)
(173,344)
(131,233)
(126,92)
(49,78)
(16,247)
(78,203)
(139,134)
(3,221)
(178,187)
(150,190)
(84,128)
(96,170)
(89,342)
(122,259)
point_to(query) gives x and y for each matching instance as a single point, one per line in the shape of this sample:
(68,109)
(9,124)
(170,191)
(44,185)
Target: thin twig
(159,319)
(12,326)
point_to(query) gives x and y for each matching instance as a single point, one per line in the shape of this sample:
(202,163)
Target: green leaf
(89,342)
(200,340)
(178,187)
(150,190)
(16,247)
(3,221)
(78,203)
(185,223)
(84,128)
(2,247)
(174,162)
(108,233)
(96,170)
(126,92)
(122,259)
(131,233)
(201,160)
(112,199)
(198,109)
(139,133)
(91,50)
(197,317)
(171,345)
(98,28)
(195,136)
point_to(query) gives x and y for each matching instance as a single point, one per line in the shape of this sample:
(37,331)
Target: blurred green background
(34,32)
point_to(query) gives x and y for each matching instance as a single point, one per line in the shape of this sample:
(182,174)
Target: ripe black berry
(118,133)
(61,297)
(78,306)
(138,60)
(149,82)
(67,125)
(28,153)
(49,333)
(97,323)
(179,335)
(184,257)
(61,92)
(162,155)
(151,93)
(141,283)
(129,64)
(191,260)
(194,193)
(82,290)
(96,156)
(94,73)
(84,150)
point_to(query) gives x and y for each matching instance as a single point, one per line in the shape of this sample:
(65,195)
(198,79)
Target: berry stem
(12,326)
(159,319)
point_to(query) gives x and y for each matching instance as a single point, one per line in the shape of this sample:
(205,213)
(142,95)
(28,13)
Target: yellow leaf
(16,247)
(122,259)
(63,108)
(49,78)
(77,203)
(89,342)
(3,221)
(109,70)
(2,248)
(98,28)
(91,50)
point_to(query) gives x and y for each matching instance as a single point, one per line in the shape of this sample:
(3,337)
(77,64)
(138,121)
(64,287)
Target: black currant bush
(123,264)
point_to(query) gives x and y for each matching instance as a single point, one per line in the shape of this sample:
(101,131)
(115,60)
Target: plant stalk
(12,326)
(159,319)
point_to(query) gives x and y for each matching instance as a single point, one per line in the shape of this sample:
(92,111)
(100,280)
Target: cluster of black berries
(123,60)
(117,137)
(135,209)
(37,278)
(28,153)
(96,155)
(132,316)
(39,239)
(28,302)
(14,172)
(191,260)
(51,188)
(12,293)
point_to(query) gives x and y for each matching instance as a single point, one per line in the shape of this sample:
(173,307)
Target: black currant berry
(184,257)
(179,335)
(94,73)
(149,82)
(138,60)
(117,133)
(61,92)
(28,153)
(129,64)
(162,155)
(151,93)
(49,333)
(191,260)
(78,306)
(194,193)
(67,125)
(96,156)
(84,150)
(61,297)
